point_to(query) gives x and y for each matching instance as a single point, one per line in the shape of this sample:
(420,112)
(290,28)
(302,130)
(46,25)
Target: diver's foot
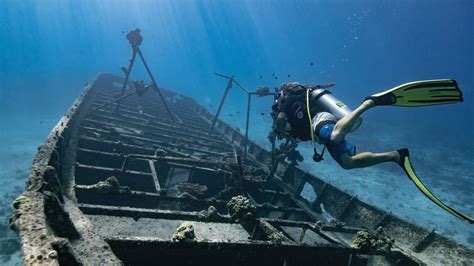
(402,154)
(368,103)
(386,99)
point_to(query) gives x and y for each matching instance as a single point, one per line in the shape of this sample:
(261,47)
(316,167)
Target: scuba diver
(313,113)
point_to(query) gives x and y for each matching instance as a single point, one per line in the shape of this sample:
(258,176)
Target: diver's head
(281,94)
(289,85)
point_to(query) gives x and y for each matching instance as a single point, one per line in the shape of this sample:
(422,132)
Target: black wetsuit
(295,109)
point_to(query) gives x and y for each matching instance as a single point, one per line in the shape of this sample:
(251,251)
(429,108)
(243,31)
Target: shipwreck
(136,174)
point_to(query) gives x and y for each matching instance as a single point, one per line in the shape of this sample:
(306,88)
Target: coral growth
(110,185)
(211,214)
(241,209)
(21,200)
(185,232)
(195,190)
(379,240)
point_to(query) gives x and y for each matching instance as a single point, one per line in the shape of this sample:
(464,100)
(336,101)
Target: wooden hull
(166,173)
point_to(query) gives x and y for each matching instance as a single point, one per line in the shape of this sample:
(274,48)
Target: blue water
(50,49)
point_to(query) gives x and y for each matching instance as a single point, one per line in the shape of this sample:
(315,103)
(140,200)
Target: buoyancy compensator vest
(302,103)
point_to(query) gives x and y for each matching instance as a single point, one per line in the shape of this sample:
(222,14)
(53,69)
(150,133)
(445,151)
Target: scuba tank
(325,101)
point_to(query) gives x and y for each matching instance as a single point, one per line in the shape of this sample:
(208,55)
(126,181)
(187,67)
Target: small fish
(262,113)
(273,74)
(260,76)
(238,112)
(311,64)
(231,115)
(276,77)
(289,75)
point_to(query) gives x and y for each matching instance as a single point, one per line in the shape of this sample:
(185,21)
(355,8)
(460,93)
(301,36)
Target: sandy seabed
(21,136)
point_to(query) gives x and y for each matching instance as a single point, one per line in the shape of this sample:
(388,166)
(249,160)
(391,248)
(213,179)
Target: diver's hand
(284,133)
(281,123)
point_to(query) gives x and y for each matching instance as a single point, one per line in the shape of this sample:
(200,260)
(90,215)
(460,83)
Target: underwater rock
(364,240)
(185,232)
(110,185)
(241,209)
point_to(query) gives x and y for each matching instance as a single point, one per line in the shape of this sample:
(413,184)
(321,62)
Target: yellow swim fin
(406,165)
(420,93)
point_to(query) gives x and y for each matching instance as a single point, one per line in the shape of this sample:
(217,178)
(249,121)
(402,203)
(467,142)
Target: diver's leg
(366,159)
(344,125)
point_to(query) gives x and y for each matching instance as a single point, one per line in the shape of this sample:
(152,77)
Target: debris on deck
(185,232)
(241,209)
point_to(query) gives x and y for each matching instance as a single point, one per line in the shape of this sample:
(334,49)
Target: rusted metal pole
(229,85)
(273,140)
(247,125)
(222,75)
(154,83)
(240,86)
(277,161)
(129,70)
